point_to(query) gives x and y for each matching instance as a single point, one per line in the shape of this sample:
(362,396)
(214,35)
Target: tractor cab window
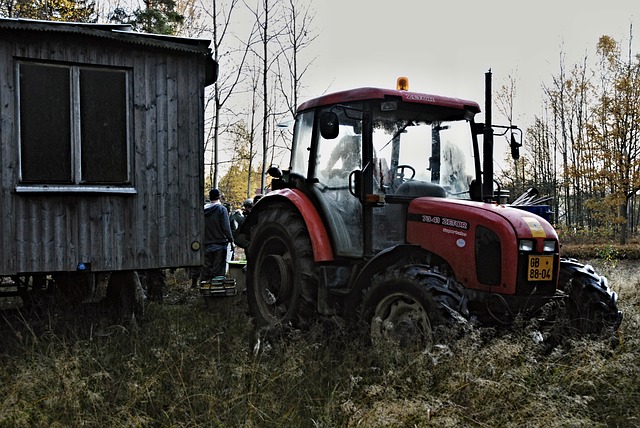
(338,157)
(302,143)
(416,153)
(434,154)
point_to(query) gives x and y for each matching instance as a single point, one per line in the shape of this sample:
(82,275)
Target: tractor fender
(320,242)
(400,254)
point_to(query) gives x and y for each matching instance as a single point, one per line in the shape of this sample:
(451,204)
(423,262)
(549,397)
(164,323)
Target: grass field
(190,364)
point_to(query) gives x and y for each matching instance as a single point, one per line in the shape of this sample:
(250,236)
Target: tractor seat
(416,188)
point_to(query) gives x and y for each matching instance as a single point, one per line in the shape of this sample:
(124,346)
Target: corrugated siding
(52,232)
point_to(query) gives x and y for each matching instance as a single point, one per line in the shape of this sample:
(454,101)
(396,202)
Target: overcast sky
(445,47)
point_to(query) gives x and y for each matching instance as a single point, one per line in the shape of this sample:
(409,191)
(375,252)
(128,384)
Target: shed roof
(118,32)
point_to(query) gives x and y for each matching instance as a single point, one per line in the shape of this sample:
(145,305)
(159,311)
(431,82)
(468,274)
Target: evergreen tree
(157,17)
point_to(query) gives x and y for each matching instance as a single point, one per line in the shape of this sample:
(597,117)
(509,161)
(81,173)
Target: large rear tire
(404,305)
(282,282)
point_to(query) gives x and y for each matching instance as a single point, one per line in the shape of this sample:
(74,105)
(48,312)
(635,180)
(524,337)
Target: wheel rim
(275,283)
(400,320)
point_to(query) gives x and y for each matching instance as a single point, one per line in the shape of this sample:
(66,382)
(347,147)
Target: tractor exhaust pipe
(487,145)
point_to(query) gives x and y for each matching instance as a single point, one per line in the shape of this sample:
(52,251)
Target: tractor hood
(520,223)
(474,237)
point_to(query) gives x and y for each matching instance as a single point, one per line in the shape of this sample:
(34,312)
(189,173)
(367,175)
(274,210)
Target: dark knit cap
(214,194)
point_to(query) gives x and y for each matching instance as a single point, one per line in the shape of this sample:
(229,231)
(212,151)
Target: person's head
(246,206)
(214,195)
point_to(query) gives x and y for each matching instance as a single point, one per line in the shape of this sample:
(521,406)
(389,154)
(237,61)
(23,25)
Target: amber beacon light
(402,84)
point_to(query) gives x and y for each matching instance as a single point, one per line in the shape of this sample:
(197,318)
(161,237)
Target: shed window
(73,125)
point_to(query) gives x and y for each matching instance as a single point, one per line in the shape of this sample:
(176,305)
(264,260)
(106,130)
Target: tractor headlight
(549,246)
(526,245)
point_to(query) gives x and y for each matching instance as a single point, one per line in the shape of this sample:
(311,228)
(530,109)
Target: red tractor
(388,215)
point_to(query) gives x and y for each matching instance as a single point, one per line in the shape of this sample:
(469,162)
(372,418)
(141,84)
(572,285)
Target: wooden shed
(102,133)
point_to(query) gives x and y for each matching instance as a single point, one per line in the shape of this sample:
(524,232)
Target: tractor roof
(362,94)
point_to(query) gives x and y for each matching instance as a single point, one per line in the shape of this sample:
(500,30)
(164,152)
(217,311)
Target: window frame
(78,183)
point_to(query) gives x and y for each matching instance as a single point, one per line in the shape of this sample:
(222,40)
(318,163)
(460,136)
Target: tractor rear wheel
(282,283)
(404,305)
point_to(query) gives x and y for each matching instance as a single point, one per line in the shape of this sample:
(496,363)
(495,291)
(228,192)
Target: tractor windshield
(418,146)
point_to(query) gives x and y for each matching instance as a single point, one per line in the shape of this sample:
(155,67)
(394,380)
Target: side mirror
(515,147)
(274,172)
(329,126)
(475,190)
(355,183)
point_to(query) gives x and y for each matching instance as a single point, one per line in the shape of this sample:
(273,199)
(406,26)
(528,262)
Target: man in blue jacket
(217,237)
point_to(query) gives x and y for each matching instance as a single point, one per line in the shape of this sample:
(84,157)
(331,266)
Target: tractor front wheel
(591,304)
(403,305)
(281,277)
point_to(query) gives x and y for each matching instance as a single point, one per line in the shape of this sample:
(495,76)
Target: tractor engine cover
(481,242)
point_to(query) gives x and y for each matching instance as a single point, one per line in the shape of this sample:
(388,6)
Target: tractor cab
(366,153)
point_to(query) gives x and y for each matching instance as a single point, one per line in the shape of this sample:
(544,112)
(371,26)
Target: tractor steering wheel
(400,172)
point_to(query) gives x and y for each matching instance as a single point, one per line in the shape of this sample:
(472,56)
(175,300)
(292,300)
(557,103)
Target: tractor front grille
(488,256)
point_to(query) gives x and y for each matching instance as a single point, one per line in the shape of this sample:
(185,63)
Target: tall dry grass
(190,364)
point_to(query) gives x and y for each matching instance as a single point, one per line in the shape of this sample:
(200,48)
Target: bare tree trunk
(230,77)
(252,127)
(623,225)
(265,97)
(217,103)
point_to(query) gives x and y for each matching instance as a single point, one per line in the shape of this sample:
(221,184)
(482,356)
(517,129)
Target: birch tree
(232,62)
(269,27)
(568,103)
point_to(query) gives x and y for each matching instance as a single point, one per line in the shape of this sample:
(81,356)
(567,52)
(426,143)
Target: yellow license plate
(540,268)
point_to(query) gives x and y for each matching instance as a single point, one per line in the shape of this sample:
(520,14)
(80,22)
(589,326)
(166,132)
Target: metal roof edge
(122,32)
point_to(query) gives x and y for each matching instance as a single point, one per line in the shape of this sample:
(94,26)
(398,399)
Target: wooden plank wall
(154,228)
(6,165)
